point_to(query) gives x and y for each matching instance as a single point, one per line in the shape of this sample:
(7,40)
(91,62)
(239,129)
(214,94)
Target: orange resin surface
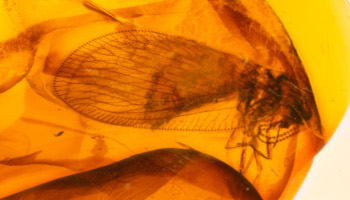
(172,99)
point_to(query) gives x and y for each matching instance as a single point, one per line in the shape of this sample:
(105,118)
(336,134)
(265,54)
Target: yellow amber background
(320,32)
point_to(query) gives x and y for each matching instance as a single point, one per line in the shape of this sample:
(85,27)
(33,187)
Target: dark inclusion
(141,175)
(146,79)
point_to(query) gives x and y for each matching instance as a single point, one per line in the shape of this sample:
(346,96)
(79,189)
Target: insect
(146,79)
(142,78)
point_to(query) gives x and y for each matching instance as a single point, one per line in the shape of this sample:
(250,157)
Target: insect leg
(242,161)
(259,166)
(278,135)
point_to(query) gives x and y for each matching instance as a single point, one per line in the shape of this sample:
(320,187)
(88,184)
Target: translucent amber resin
(150,99)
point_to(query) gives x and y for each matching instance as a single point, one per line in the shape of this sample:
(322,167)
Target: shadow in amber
(159,174)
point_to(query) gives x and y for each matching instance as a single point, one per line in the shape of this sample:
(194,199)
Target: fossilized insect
(142,78)
(146,79)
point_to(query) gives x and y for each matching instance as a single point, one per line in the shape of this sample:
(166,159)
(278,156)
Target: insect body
(151,80)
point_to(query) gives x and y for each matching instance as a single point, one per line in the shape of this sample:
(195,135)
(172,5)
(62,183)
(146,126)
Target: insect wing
(151,80)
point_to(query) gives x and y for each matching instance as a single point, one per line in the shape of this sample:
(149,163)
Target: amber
(172,99)
(175,172)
